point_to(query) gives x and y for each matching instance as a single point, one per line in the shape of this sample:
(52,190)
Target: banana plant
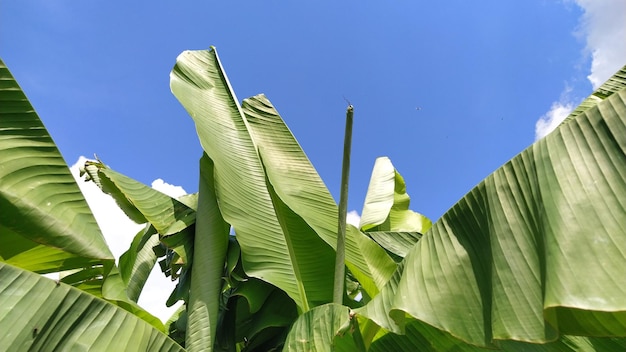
(531,259)
(46,227)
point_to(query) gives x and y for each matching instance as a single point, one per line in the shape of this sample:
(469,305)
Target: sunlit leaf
(297,183)
(386,205)
(296,264)
(537,248)
(614,84)
(37,314)
(45,223)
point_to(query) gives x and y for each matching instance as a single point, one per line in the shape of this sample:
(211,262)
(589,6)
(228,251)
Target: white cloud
(353,218)
(551,120)
(119,230)
(170,190)
(604,27)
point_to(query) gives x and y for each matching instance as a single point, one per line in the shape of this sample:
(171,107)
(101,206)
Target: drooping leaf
(537,248)
(172,218)
(255,291)
(137,262)
(37,314)
(145,204)
(295,264)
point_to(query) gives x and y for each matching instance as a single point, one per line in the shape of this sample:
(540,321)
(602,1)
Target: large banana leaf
(275,245)
(45,223)
(298,184)
(533,253)
(55,317)
(535,250)
(422,337)
(416,335)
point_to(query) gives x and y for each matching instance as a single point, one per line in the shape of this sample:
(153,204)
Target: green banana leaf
(211,236)
(137,262)
(173,219)
(210,252)
(318,329)
(269,325)
(386,216)
(530,257)
(142,203)
(55,317)
(45,223)
(408,334)
(422,337)
(614,84)
(535,250)
(294,179)
(254,315)
(386,205)
(263,224)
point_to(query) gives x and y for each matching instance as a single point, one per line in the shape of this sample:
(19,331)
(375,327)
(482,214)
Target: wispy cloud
(551,120)
(603,27)
(119,230)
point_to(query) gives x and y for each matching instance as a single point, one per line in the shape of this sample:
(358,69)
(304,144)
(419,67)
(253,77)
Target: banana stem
(340,268)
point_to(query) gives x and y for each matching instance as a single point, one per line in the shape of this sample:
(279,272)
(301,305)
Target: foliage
(530,259)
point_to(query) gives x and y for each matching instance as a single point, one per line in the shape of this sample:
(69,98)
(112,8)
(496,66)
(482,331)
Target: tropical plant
(531,259)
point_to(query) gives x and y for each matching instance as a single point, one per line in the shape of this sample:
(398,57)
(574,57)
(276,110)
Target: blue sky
(482,73)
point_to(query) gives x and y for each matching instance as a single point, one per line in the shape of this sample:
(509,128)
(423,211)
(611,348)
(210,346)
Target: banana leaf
(614,84)
(45,223)
(210,252)
(292,176)
(275,244)
(55,317)
(536,250)
(387,203)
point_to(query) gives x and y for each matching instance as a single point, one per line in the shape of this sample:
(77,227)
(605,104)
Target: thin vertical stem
(340,269)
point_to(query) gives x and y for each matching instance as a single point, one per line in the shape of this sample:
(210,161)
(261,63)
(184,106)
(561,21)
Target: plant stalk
(340,267)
